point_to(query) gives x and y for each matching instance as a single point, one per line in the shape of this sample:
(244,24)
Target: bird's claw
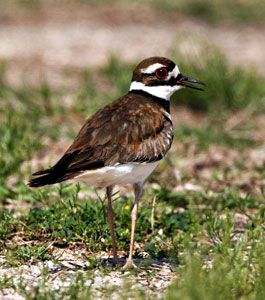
(129,265)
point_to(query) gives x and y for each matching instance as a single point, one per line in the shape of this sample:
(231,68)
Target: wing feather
(123,131)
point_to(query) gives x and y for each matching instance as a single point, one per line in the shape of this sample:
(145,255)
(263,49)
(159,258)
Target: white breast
(120,174)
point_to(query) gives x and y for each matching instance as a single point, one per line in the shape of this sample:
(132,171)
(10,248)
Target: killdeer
(124,141)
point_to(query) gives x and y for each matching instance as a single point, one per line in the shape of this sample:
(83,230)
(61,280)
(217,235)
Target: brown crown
(139,76)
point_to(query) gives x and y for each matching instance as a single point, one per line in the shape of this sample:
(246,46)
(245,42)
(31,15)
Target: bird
(123,142)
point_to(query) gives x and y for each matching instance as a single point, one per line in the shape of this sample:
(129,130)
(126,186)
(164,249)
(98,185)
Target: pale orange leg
(111,224)
(138,190)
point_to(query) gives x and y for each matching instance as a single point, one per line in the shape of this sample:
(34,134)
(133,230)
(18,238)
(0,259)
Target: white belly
(119,174)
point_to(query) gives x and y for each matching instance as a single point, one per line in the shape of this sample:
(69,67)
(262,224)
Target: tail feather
(55,174)
(45,179)
(42,172)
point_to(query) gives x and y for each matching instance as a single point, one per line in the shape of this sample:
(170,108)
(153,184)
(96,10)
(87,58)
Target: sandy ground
(152,279)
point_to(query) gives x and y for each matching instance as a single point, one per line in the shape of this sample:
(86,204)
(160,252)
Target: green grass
(208,134)
(226,87)
(26,253)
(229,277)
(200,236)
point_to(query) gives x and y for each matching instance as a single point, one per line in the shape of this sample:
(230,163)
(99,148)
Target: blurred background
(52,35)
(60,61)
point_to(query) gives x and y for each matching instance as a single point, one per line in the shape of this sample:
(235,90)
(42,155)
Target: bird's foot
(115,261)
(129,265)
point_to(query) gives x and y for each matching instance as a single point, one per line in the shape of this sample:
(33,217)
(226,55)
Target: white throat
(161,91)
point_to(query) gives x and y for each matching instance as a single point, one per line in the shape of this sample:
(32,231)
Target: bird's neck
(162,102)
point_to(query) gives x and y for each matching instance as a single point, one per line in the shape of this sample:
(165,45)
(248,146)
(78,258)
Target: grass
(209,134)
(204,234)
(226,87)
(212,237)
(26,253)
(229,277)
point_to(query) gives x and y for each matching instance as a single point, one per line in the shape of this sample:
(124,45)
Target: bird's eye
(161,73)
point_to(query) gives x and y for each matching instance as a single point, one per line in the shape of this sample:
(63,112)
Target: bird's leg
(138,190)
(111,224)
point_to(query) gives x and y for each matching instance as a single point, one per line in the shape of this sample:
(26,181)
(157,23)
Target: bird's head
(160,77)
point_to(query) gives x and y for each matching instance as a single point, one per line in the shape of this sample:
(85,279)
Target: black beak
(187,82)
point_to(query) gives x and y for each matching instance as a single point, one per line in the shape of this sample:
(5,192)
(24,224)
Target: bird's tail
(57,173)
(45,177)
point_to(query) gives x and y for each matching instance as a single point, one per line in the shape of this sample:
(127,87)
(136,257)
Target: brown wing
(127,130)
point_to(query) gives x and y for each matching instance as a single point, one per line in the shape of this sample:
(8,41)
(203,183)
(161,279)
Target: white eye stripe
(151,69)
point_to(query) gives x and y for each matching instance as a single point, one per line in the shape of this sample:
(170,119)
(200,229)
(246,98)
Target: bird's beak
(187,82)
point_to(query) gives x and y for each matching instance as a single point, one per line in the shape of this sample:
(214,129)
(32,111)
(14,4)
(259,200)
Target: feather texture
(136,128)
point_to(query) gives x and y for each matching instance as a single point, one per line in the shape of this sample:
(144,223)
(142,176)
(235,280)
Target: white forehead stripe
(151,69)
